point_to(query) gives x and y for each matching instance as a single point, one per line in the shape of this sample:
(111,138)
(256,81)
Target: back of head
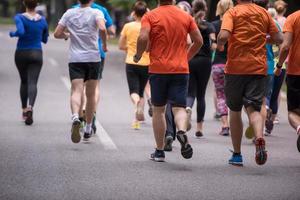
(139,8)
(199,12)
(30,4)
(280,7)
(184,5)
(223,6)
(262,3)
(85,1)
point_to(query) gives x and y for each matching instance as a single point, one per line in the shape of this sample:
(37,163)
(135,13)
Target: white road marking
(53,62)
(103,136)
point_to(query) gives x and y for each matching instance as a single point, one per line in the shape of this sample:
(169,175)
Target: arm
(275,38)
(122,43)
(45,34)
(111,30)
(197,43)
(142,44)
(213,39)
(223,38)
(60,32)
(284,51)
(20,28)
(103,33)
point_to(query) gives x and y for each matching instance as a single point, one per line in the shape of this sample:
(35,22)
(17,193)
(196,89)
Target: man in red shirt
(165,30)
(291,47)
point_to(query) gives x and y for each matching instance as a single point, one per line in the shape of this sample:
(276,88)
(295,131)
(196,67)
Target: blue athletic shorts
(169,88)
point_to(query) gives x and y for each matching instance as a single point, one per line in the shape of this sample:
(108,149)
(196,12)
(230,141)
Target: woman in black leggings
(32,29)
(200,65)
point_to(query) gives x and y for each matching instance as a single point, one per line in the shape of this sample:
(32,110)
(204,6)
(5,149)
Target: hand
(277,71)
(67,36)
(104,47)
(136,58)
(220,47)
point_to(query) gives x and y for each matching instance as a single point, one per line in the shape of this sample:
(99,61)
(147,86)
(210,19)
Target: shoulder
(18,16)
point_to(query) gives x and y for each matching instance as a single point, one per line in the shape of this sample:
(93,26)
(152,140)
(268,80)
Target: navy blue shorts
(169,88)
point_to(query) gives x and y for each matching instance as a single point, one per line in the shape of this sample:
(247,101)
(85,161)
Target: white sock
(88,128)
(75,117)
(298,130)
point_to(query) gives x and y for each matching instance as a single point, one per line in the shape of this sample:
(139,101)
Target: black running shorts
(293,92)
(244,90)
(137,78)
(85,71)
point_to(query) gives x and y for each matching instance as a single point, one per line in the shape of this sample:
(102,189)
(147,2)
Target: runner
(137,73)
(84,24)
(218,69)
(291,47)
(32,29)
(200,65)
(111,31)
(245,27)
(166,28)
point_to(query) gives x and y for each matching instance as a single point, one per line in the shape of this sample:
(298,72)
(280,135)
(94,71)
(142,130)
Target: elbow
(56,35)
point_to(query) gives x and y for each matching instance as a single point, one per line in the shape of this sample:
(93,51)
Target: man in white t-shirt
(82,25)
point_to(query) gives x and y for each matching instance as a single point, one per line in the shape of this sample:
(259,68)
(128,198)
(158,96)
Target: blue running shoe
(158,156)
(236,160)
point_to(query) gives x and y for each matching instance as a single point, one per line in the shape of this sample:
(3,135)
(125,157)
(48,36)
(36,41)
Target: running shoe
(168,143)
(29,118)
(87,136)
(249,133)
(158,156)
(199,134)
(298,141)
(261,155)
(186,148)
(189,119)
(75,131)
(217,116)
(236,159)
(269,128)
(94,127)
(150,111)
(136,125)
(24,115)
(225,131)
(276,121)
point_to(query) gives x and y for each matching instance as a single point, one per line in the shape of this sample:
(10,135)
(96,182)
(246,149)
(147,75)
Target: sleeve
(272,25)
(124,30)
(227,22)
(99,15)
(193,25)
(109,21)
(64,19)
(20,27)
(288,25)
(45,33)
(146,23)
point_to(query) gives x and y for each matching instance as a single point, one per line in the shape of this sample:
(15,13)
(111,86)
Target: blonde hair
(280,6)
(272,12)
(223,6)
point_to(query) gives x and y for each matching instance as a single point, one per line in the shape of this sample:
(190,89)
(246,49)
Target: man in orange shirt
(246,28)
(291,47)
(165,30)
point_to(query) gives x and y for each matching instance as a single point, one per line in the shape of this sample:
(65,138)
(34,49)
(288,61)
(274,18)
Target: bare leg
(294,118)
(91,104)
(159,126)
(224,120)
(76,95)
(236,127)
(180,118)
(256,121)
(200,126)
(135,98)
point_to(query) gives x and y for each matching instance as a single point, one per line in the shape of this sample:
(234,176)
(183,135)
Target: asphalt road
(40,162)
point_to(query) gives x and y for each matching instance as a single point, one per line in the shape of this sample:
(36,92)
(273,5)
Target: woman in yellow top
(137,74)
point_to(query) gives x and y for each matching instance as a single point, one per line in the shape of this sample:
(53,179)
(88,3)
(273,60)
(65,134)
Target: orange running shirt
(169,27)
(249,25)
(292,25)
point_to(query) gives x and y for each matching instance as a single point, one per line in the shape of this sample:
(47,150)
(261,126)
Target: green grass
(6,21)
(113,41)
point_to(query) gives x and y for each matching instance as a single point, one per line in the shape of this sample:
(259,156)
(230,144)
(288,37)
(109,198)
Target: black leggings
(137,78)
(29,64)
(200,69)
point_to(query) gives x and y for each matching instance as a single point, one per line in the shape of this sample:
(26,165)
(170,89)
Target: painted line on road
(104,137)
(53,62)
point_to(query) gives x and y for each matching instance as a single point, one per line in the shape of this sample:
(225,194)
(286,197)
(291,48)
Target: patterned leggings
(219,80)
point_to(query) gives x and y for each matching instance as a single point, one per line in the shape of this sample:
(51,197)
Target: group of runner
(173,51)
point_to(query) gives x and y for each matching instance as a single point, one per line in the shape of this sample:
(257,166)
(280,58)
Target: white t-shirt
(84,33)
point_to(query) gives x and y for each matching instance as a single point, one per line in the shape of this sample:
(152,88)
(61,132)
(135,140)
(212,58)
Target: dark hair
(262,3)
(30,4)
(140,8)
(84,1)
(199,11)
